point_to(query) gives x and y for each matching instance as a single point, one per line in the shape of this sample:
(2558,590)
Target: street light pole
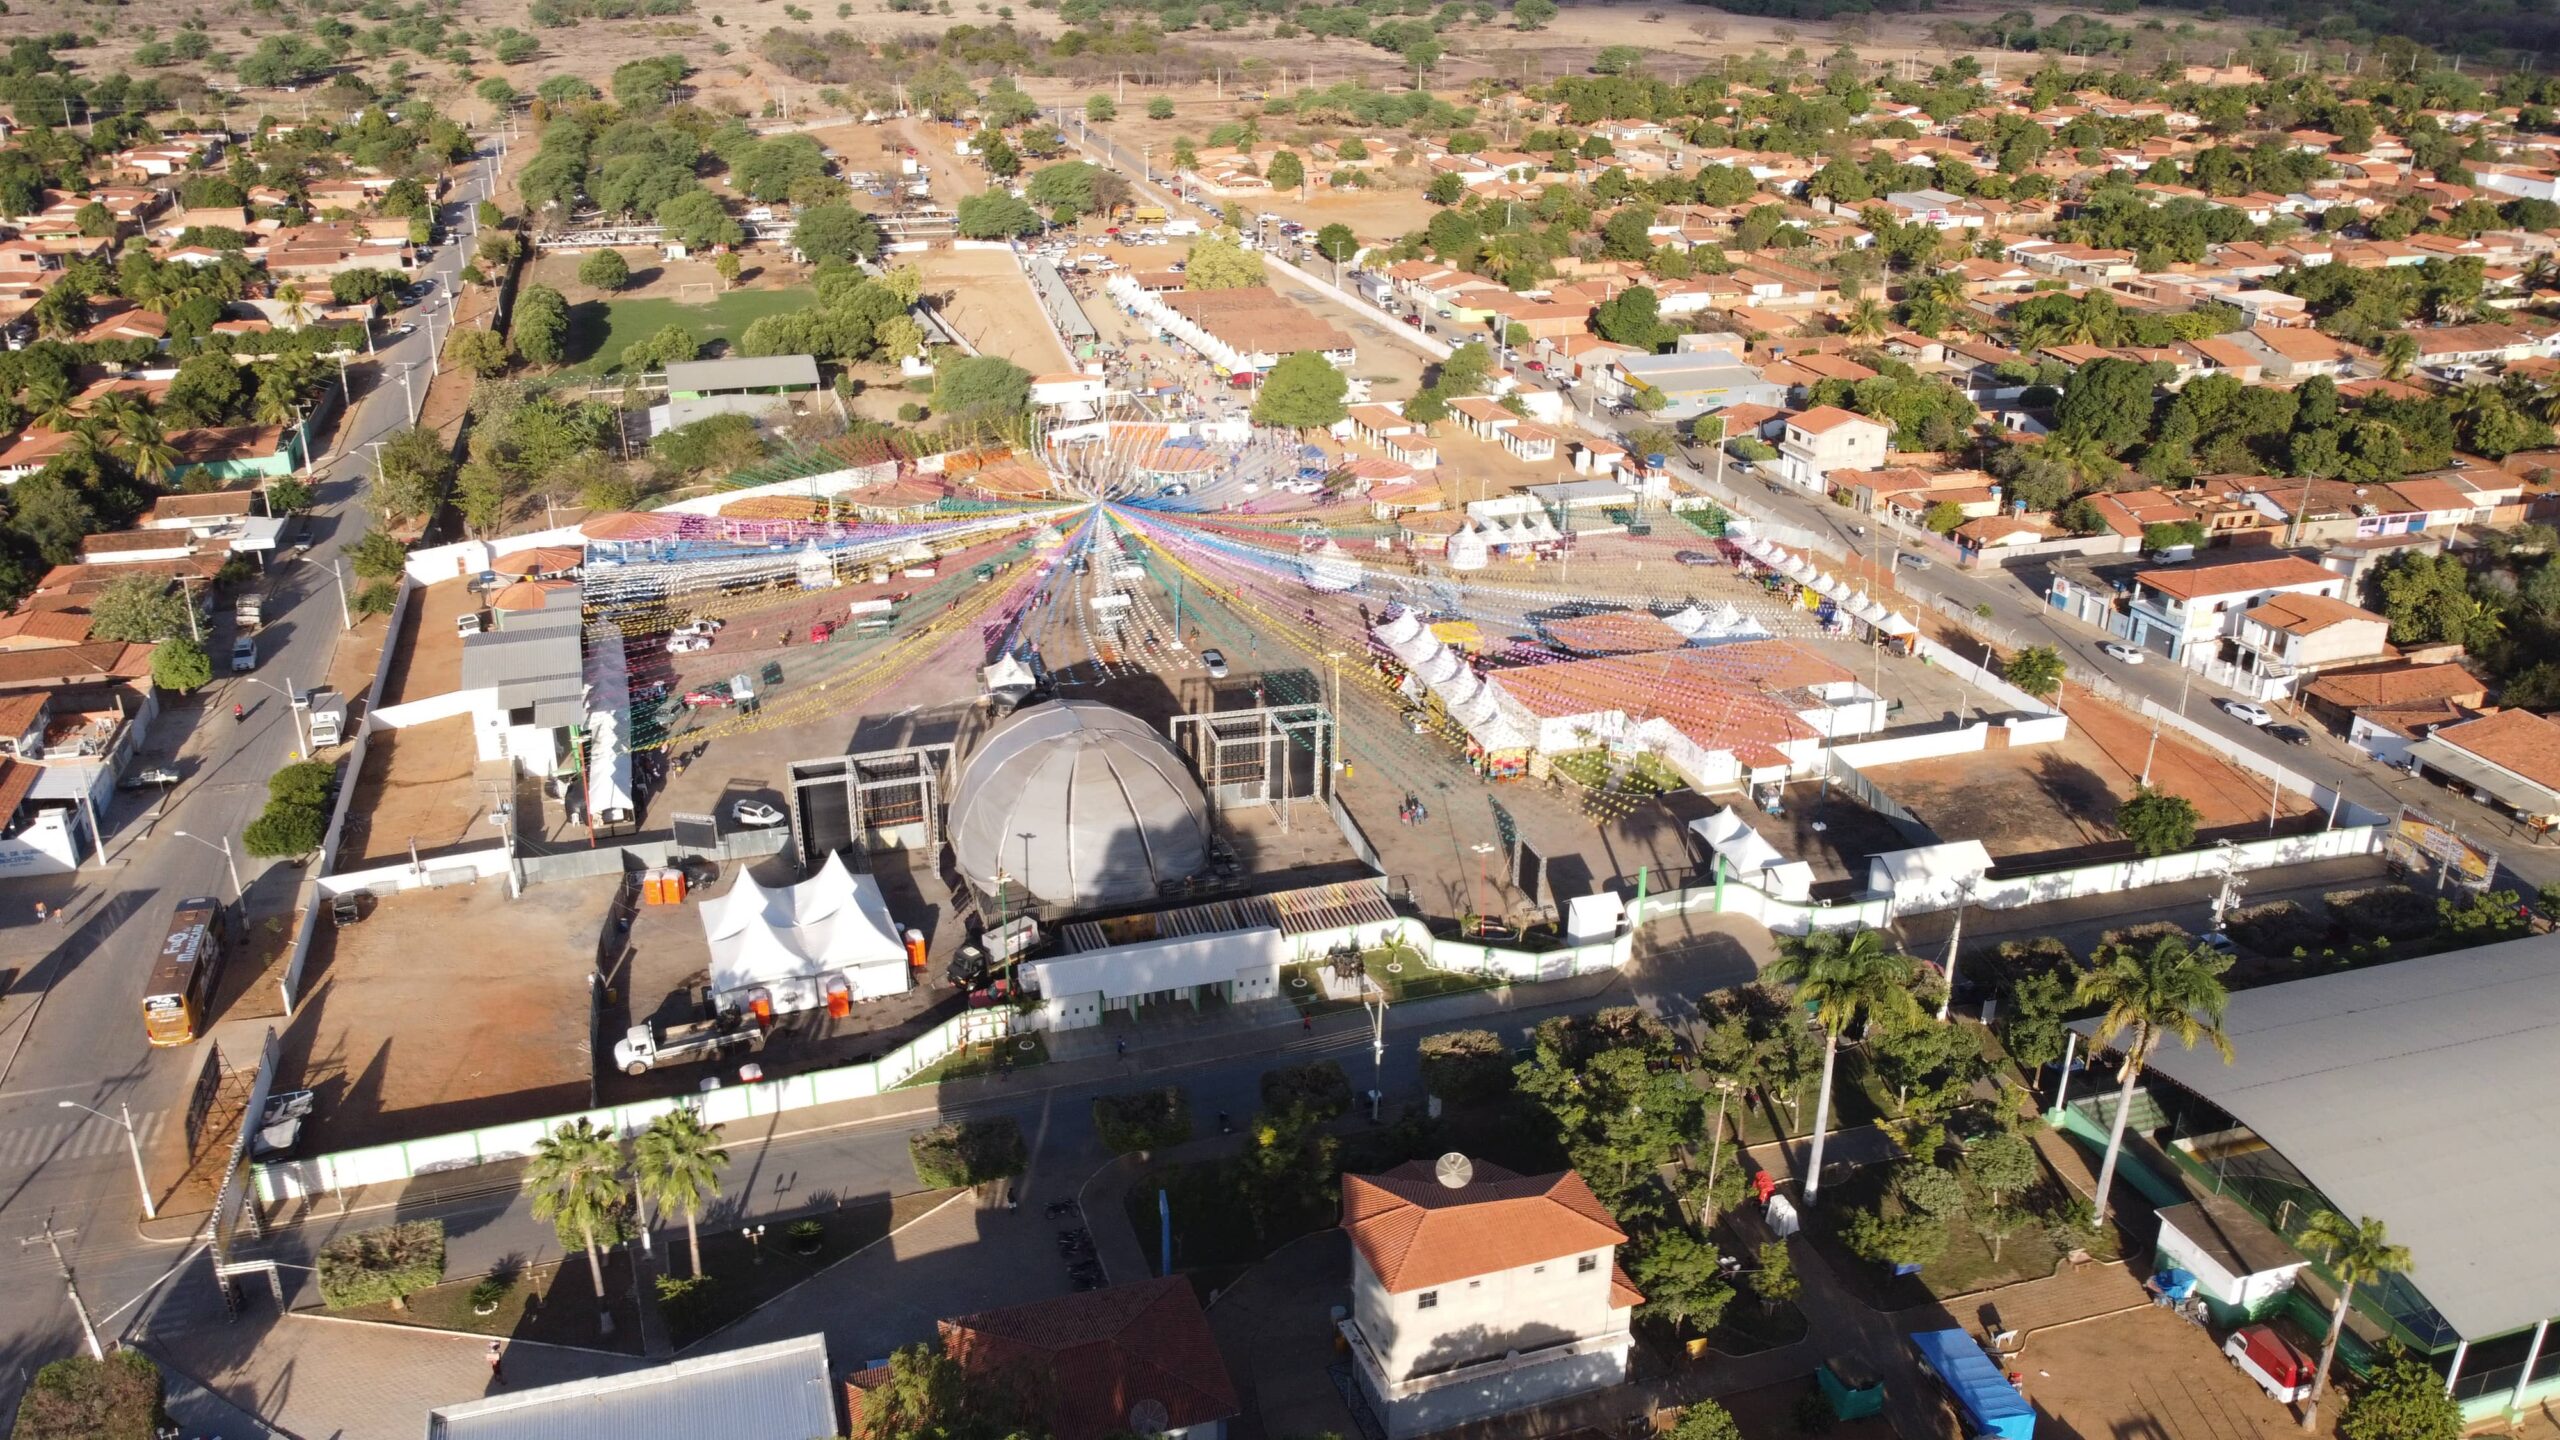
(52,1239)
(133,1138)
(238,891)
(1955,937)
(293,706)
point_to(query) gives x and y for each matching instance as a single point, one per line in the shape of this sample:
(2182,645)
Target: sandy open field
(985,296)
(2145,1374)
(447,1009)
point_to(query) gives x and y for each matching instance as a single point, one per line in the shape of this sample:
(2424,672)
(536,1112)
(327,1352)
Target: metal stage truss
(1269,755)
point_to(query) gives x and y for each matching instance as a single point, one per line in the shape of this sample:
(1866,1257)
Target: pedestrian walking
(60,913)
(497,1363)
(1307,1023)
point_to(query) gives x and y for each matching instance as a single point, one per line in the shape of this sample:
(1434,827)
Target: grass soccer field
(600,330)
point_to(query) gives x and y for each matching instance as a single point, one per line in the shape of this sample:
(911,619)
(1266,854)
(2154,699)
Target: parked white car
(754,812)
(2126,653)
(687,644)
(2246,713)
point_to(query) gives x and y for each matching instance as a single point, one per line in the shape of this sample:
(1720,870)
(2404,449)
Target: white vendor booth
(798,942)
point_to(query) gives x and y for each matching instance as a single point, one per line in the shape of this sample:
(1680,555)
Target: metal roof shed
(764,1392)
(2418,1093)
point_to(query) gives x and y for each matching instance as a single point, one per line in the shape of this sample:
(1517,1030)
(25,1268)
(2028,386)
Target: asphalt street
(72,1029)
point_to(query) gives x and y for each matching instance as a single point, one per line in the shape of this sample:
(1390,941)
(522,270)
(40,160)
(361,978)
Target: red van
(2268,1358)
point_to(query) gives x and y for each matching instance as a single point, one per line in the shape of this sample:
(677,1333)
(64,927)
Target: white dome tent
(1080,805)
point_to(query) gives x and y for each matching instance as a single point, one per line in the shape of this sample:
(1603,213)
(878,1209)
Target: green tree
(676,1166)
(995,215)
(482,352)
(1302,392)
(604,270)
(1847,980)
(1532,14)
(2109,401)
(1466,371)
(1141,1120)
(1218,262)
(2171,989)
(1466,1067)
(1287,171)
(288,496)
(378,555)
(412,470)
(1943,517)
(2158,823)
(981,384)
(282,831)
(382,1266)
(2003,1163)
(1160,108)
(1099,108)
(576,1178)
(118,1398)
(2037,669)
(540,330)
(2402,1399)
(928,1396)
(138,610)
(180,664)
(2355,1252)
(1632,317)
(1682,1285)
(2031,1025)
(835,232)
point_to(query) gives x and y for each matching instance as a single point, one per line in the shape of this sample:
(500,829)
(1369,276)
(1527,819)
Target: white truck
(642,1049)
(1181,227)
(248,609)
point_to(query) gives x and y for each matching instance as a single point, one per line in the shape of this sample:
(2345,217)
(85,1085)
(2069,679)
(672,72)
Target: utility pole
(1955,937)
(346,617)
(52,1240)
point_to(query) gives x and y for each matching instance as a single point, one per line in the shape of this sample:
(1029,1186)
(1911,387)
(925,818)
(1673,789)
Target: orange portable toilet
(760,1005)
(839,999)
(674,884)
(915,952)
(651,893)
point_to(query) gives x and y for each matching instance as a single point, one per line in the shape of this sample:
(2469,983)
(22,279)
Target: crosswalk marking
(73,1139)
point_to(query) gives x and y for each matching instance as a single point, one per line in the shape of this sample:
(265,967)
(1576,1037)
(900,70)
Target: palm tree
(144,447)
(1849,981)
(295,310)
(2358,1254)
(2170,989)
(1868,321)
(50,401)
(678,1162)
(576,1175)
(2399,352)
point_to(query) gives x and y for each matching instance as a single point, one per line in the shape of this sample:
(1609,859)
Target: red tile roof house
(1129,1359)
(2513,757)
(1477,1292)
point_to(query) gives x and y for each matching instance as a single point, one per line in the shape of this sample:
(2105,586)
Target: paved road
(71,1028)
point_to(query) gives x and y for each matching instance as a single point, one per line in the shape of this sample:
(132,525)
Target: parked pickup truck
(642,1049)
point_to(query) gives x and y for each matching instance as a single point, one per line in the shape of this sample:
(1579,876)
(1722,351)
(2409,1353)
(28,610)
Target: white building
(1477,1292)
(1827,438)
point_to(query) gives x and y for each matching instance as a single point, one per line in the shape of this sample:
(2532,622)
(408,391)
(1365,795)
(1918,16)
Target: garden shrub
(383,1266)
(968,1153)
(1143,1119)
(1321,1089)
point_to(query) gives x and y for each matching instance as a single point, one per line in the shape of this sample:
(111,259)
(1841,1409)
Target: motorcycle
(1225,1125)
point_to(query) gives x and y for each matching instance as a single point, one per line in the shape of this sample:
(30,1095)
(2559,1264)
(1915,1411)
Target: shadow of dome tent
(1079,804)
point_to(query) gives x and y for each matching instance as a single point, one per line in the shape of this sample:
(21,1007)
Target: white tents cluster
(1847,599)
(796,942)
(1751,859)
(1328,571)
(1447,676)
(1713,624)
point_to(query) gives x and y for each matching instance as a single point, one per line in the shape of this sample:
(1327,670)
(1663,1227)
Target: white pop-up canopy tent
(1755,862)
(792,940)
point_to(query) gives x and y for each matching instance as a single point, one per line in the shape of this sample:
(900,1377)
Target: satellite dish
(1149,1417)
(1454,1170)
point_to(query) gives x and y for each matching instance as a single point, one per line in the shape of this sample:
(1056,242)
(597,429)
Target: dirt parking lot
(2052,802)
(421,787)
(2145,1375)
(448,1009)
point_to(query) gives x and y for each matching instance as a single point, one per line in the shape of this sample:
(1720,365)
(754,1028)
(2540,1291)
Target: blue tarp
(1992,1406)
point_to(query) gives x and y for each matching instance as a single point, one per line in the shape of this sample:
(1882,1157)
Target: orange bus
(176,1002)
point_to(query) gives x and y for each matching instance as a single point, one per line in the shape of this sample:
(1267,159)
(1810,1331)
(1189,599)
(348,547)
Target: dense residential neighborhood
(1285,721)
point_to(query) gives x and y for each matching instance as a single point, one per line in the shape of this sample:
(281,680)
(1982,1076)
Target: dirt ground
(2147,1374)
(420,786)
(2048,801)
(986,297)
(447,1009)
